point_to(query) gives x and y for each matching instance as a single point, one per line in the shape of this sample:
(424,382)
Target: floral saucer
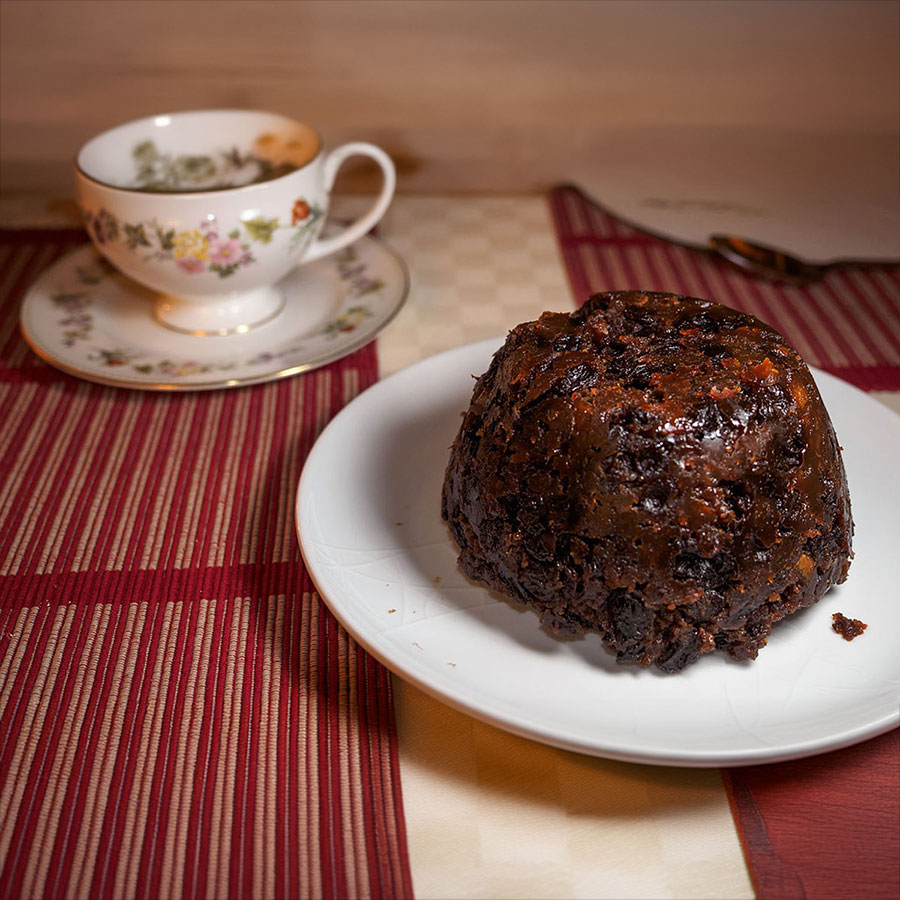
(86,318)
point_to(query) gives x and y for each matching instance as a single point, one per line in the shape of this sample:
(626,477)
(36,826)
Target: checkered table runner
(180,715)
(824,827)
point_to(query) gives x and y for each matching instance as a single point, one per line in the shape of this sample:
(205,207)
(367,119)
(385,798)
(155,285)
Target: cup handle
(353,232)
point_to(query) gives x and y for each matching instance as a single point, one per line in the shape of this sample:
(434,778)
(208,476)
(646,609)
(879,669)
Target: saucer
(84,317)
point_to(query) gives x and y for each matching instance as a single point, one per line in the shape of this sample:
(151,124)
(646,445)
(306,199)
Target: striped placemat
(827,826)
(180,715)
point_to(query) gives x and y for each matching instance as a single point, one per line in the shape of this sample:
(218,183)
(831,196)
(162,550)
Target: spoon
(776,264)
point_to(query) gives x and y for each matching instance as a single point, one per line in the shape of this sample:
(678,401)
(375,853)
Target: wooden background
(496,96)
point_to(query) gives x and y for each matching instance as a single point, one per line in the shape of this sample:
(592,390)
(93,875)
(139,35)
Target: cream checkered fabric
(477,266)
(491,815)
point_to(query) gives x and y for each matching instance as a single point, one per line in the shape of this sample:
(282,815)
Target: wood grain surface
(496,96)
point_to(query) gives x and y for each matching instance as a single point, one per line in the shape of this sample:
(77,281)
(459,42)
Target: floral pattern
(208,247)
(77,322)
(354,273)
(103,225)
(349,321)
(158,172)
(181,369)
(74,298)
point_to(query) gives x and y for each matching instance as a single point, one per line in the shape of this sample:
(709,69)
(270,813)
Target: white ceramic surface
(822,197)
(89,320)
(164,200)
(368,519)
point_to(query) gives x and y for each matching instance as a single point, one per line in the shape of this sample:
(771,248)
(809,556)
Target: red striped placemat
(827,826)
(180,715)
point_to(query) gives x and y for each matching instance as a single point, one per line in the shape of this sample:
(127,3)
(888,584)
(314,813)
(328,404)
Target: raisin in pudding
(656,468)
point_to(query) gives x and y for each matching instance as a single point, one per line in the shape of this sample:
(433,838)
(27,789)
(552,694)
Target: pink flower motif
(226,252)
(209,229)
(190,264)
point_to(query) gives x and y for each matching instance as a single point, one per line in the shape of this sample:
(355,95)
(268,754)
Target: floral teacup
(210,209)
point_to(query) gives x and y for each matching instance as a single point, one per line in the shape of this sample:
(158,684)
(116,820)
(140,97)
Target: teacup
(210,209)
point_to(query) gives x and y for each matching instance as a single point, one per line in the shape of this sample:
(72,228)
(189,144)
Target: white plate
(87,319)
(368,518)
(822,197)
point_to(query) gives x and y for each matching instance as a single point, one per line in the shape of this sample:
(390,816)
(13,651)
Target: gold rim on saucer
(86,319)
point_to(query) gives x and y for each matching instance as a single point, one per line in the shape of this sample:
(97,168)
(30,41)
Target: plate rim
(456,699)
(220,383)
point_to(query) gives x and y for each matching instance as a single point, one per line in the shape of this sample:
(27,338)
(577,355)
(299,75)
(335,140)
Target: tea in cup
(210,209)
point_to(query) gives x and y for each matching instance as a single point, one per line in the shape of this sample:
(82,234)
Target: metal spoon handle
(766,261)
